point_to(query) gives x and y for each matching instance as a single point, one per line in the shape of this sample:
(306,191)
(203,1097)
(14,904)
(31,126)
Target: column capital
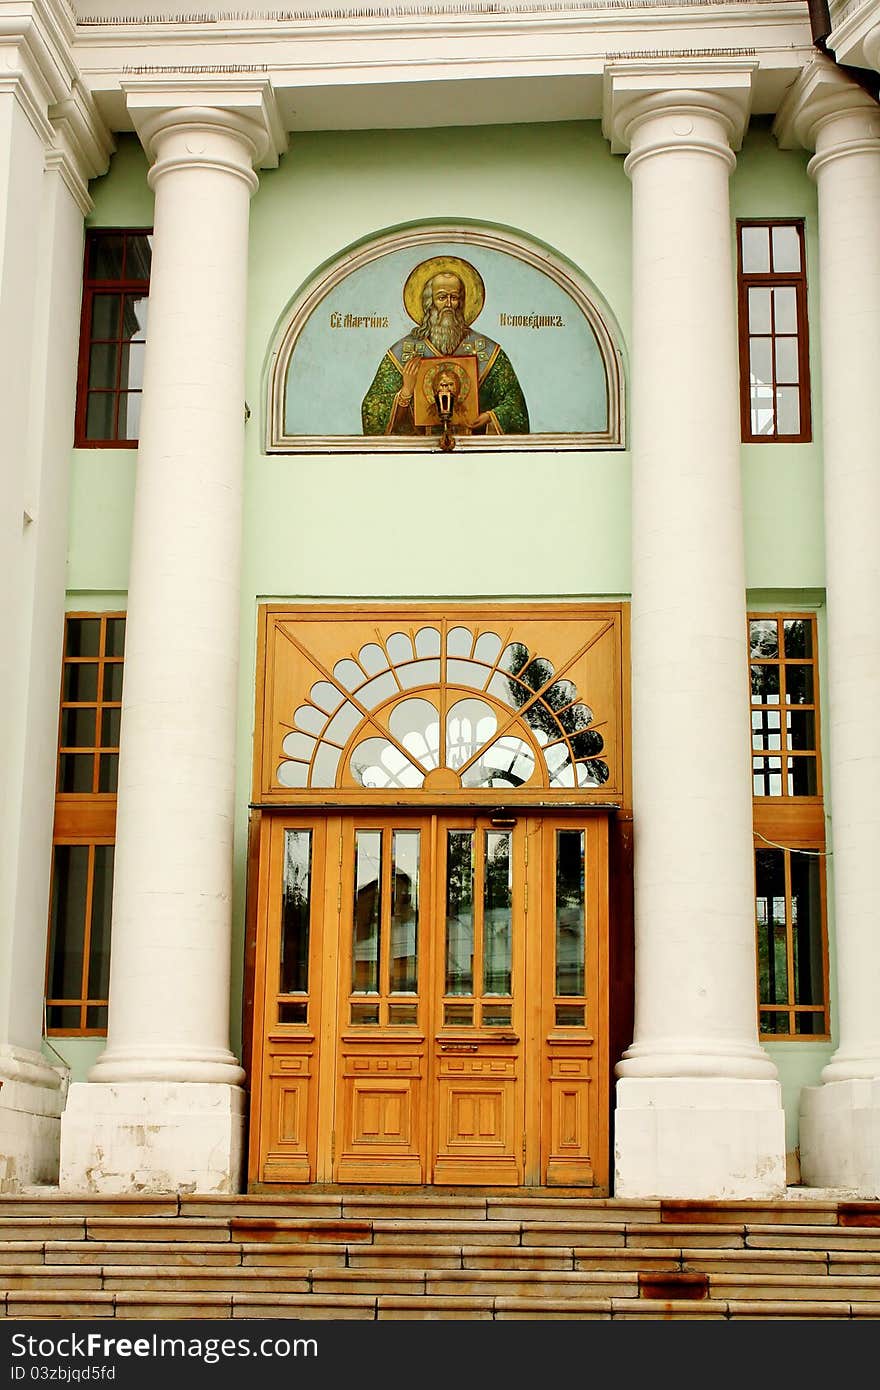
(246,110)
(855,32)
(81,143)
(685,91)
(824,110)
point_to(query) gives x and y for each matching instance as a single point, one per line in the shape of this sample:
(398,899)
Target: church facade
(441,627)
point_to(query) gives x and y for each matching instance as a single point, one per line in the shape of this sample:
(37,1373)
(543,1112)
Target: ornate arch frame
(584,295)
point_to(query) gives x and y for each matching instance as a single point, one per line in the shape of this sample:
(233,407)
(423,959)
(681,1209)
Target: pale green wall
(318,527)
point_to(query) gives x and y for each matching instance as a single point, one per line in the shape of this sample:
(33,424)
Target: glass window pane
(458,1015)
(138,256)
(134,321)
(99,939)
(570,1015)
(103,358)
(774,1021)
(786,249)
(760,368)
(106,313)
(459,912)
(70,878)
(293,1011)
(364,1013)
(100,414)
(799,685)
(759,310)
(801,728)
(798,637)
(788,410)
(78,728)
(295,912)
(787,369)
(766,730)
(497,915)
(106,252)
(403,1015)
(113,681)
(405,846)
(806,927)
(96,1016)
(76,772)
(131,366)
(755,243)
(802,777)
(82,637)
(765,685)
(367,912)
(110,721)
(63,1016)
(129,415)
(785,309)
(80,681)
(771,925)
(108,772)
(570,906)
(497,1015)
(114,636)
(810,1023)
(767,776)
(763,637)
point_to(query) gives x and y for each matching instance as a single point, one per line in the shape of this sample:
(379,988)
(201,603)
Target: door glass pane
(497,892)
(70,880)
(570,905)
(460,912)
(772,945)
(295,912)
(806,929)
(404,912)
(367,913)
(99,940)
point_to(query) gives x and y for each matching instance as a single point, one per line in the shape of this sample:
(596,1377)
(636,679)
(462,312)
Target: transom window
(773,333)
(463,707)
(113,333)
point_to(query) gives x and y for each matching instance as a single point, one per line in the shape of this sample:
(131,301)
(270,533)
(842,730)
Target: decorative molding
(418,9)
(820,92)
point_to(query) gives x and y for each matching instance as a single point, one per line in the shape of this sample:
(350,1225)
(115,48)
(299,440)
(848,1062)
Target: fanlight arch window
(446,706)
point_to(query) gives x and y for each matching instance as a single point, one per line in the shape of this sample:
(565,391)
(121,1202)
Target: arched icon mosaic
(447,330)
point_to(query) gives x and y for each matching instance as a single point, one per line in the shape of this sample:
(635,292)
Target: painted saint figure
(443,296)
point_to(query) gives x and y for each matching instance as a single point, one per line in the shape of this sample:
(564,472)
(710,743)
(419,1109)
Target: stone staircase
(342,1254)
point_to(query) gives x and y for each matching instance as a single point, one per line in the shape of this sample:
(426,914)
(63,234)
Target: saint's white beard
(445,328)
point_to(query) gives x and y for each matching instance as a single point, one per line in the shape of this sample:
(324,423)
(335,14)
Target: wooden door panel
(479,1137)
(570,1103)
(380,1109)
(289,1112)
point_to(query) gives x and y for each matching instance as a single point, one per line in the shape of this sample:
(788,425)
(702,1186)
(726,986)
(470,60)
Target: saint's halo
(474,289)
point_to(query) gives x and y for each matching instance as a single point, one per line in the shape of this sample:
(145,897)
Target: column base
(840,1135)
(708,1139)
(152,1136)
(31,1101)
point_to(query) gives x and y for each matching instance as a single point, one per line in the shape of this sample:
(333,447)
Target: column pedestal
(31,1101)
(154,1136)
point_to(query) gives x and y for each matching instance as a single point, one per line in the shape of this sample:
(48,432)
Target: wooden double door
(431,1000)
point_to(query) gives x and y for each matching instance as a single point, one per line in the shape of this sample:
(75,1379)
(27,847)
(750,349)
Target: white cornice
(855,32)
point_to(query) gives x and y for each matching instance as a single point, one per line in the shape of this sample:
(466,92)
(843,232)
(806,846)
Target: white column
(43,198)
(698,1104)
(163,1108)
(840,1120)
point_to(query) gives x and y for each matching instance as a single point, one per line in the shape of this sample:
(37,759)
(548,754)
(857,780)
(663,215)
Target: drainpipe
(820,28)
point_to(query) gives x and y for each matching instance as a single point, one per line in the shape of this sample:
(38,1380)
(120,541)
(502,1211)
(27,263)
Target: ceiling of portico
(426,63)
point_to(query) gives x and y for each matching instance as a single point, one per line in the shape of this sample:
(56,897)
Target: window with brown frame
(789,827)
(774,356)
(78,955)
(116,286)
